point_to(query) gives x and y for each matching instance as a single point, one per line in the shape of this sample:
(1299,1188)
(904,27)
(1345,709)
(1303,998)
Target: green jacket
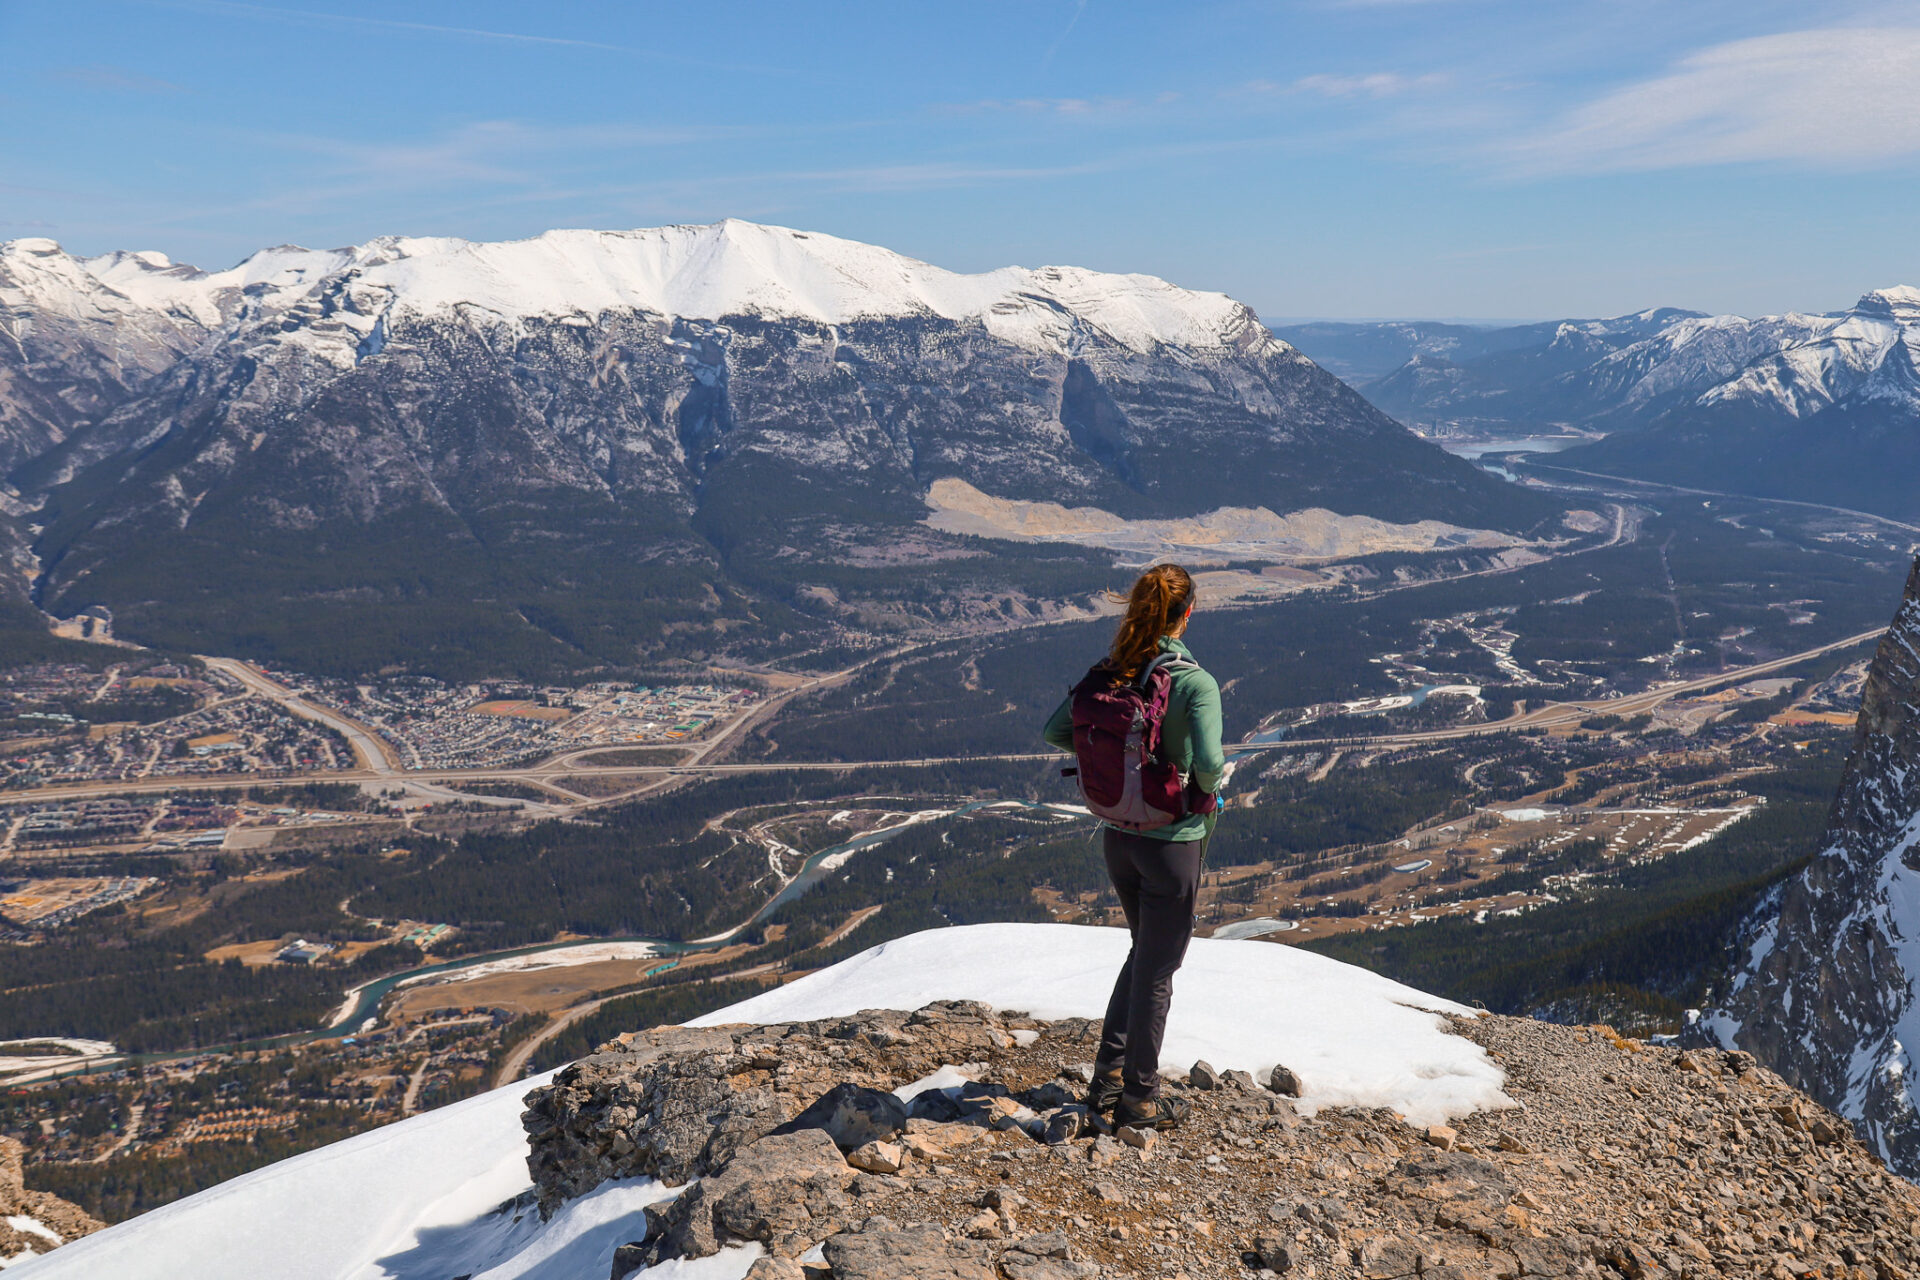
(1190,738)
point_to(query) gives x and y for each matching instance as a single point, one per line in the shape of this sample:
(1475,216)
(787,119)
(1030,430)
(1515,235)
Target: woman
(1156,873)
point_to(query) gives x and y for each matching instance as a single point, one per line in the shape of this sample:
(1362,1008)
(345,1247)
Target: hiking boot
(1160,1112)
(1104,1093)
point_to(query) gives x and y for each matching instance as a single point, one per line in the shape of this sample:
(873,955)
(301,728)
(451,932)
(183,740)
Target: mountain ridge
(702,272)
(344,459)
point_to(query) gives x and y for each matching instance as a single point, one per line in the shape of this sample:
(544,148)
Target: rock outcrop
(1621,1159)
(1826,993)
(676,1103)
(33,1222)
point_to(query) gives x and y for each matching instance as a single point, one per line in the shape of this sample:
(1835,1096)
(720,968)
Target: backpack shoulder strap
(1167,662)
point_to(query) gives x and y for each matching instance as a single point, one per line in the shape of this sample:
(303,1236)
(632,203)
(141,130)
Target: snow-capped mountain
(448,1193)
(1827,994)
(1816,407)
(676,421)
(1602,374)
(142,311)
(1364,351)
(72,346)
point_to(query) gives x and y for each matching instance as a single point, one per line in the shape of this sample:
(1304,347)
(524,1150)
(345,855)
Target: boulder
(883,1251)
(1277,1254)
(1051,1095)
(1046,1257)
(853,1116)
(787,1191)
(1019,1266)
(1450,1177)
(628,1259)
(1066,1124)
(666,1108)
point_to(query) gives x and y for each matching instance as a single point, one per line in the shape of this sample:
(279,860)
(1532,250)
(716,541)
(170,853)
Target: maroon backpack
(1116,743)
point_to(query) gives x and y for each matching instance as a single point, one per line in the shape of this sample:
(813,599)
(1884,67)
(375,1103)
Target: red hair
(1159,602)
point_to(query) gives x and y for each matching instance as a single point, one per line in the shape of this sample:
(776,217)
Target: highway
(377,761)
(1534,464)
(1561,714)
(546,773)
(374,755)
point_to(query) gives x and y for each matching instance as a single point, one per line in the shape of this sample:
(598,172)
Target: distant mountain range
(592,446)
(1823,408)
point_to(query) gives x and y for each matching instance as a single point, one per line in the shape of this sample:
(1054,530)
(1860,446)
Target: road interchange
(549,774)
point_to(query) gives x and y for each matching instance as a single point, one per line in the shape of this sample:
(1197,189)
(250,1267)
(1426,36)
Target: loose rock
(878,1157)
(1616,1163)
(1282,1080)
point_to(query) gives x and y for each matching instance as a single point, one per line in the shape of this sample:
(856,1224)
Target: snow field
(698,272)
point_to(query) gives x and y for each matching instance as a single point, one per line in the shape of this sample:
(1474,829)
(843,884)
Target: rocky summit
(1825,995)
(949,1142)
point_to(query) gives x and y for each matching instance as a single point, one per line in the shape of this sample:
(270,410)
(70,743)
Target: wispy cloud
(507,165)
(116,79)
(1378,84)
(932,176)
(316,18)
(483,148)
(1372,84)
(1073,108)
(1834,97)
(929,175)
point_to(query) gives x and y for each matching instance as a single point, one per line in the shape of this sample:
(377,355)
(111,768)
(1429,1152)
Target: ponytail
(1155,606)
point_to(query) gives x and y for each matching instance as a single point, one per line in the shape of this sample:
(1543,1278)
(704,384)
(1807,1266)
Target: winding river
(352,1018)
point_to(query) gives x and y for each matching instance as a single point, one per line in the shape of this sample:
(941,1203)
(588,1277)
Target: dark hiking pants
(1156,881)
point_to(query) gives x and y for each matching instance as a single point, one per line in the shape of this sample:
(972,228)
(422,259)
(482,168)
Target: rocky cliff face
(1826,994)
(1620,1160)
(548,431)
(32,1222)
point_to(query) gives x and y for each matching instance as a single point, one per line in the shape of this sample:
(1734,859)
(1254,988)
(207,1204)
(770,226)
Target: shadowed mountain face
(1826,993)
(560,448)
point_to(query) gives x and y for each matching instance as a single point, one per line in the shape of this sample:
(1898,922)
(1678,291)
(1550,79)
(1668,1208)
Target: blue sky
(1353,158)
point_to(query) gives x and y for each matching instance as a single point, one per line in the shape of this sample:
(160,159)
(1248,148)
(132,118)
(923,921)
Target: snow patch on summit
(1354,1037)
